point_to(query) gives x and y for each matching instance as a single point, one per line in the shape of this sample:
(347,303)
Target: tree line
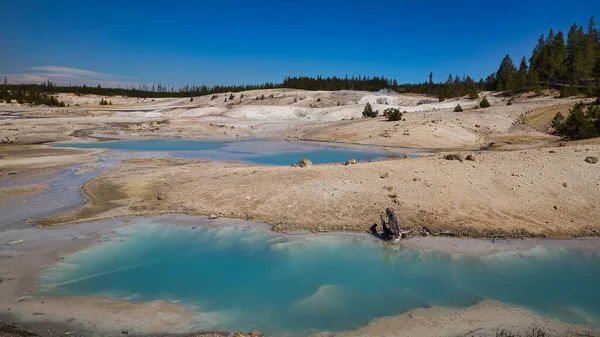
(572,66)
(27,94)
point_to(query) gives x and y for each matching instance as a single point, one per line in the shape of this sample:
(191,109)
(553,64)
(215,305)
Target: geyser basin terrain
(269,152)
(246,278)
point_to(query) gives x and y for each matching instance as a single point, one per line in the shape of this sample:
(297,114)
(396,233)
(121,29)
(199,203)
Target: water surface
(244,278)
(268,152)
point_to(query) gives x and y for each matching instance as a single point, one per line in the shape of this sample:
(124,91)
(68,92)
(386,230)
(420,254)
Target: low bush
(392,114)
(368,111)
(484,103)
(580,123)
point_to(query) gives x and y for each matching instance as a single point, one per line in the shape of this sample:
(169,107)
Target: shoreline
(44,247)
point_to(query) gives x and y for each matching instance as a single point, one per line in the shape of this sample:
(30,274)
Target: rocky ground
(495,172)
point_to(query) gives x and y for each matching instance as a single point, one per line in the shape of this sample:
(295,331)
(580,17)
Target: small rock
(470,157)
(565,185)
(385,175)
(213,216)
(158,197)
(477,125)
(350,162)
(453,156)
(551,151)
(591,160)
(305,162)
(555,207)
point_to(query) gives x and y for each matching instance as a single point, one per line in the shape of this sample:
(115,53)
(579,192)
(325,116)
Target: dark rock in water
(453,156)
(591,160)
(470,157)
(305,162)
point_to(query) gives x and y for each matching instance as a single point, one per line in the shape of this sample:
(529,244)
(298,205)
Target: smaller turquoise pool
(266,152)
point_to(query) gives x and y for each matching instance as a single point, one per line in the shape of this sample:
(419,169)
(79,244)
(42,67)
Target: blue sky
(244,42)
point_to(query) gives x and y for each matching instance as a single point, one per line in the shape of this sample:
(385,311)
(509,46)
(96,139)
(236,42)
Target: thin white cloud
(76,72)
(68,76)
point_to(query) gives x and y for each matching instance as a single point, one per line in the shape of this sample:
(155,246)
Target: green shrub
(484,103)
(458,108)
(368,111)
(392,114)
(579,124)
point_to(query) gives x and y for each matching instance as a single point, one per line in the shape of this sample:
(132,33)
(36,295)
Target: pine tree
(575,59)
(506,75)
(484,103)
(591,51)
(533,81)
(368,111)
(538,56)
(558,55)
(521,77)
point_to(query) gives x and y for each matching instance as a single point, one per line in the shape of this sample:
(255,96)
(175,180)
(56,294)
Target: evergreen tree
(506,75)
(538,55)
(591,51)
(368,111)
(533,81)
(575,59)
(392,114)
(484,103)
(521,78)
(557,57)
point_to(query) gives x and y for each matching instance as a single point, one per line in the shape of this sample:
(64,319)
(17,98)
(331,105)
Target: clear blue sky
(243,42)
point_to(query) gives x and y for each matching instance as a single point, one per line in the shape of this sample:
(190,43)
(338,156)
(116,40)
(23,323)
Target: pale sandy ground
(528,192)
(22,261)
(293,114)
(483,319)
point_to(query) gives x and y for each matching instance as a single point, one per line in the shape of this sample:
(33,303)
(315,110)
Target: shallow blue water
(249,279)
(268,152)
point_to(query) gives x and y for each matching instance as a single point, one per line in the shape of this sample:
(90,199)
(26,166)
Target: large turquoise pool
(244,278)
